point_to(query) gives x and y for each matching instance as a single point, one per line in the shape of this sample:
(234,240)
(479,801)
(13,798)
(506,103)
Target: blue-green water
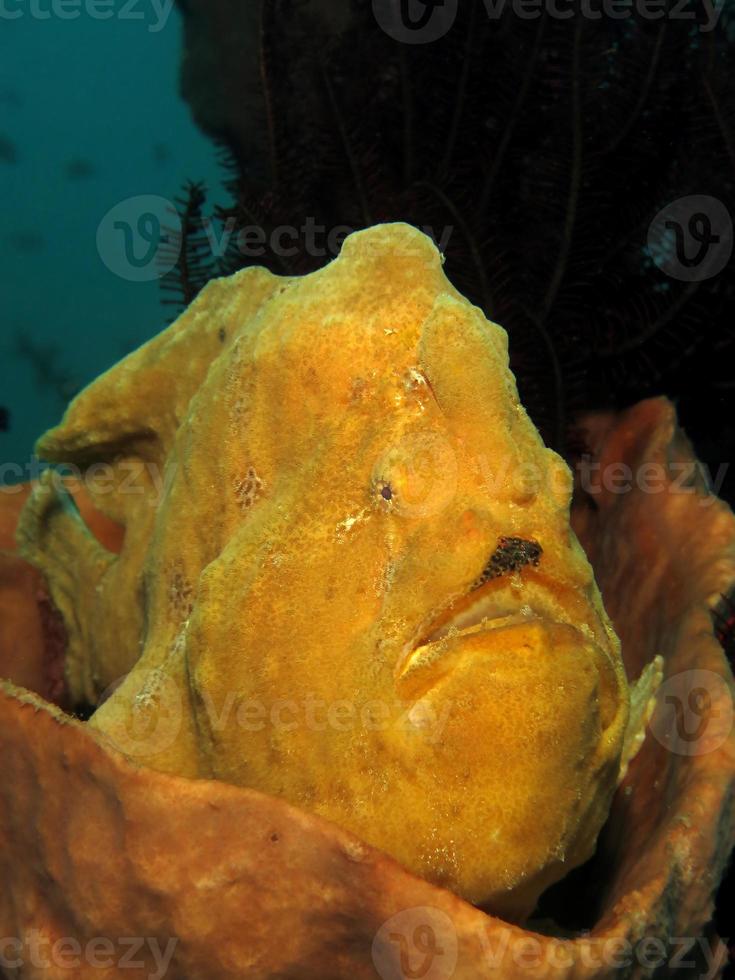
(89,116)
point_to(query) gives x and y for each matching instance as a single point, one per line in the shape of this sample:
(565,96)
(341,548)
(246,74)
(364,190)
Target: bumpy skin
(331,464)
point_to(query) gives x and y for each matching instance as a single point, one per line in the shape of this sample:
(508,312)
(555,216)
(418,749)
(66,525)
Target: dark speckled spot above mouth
(510,555)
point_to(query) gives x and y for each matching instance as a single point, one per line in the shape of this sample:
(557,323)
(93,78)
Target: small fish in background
(8,150)
(44,360)
(80,169)
(129,345)
(26,241)
(10,98)
(161,153)
(4,419)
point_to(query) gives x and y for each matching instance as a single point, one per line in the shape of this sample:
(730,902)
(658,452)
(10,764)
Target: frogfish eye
(384,489)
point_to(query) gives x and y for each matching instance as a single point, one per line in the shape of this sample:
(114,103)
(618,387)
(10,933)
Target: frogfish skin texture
(347,576)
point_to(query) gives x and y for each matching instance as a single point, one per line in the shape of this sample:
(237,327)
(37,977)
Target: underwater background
(90,115)
(571,172)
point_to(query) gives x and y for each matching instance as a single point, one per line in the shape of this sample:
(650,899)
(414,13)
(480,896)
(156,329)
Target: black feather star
(186,250)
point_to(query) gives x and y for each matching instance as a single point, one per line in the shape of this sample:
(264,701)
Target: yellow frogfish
(347,577)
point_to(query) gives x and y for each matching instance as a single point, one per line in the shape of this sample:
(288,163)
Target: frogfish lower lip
(498,614)
(492,606)
(500,642)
